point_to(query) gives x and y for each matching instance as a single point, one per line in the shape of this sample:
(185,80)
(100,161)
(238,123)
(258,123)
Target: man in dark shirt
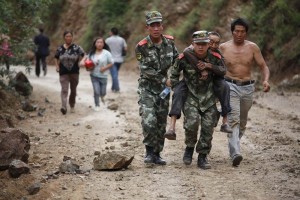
(42,51)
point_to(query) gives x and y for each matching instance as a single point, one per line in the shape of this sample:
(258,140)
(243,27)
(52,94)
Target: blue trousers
(99,86)
(114,72)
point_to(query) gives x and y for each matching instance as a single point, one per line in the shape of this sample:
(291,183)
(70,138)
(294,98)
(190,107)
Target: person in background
(103,61)
(5,51)
(42,51)
(240,56)
(117,45)
(200,103)
(155,55)
(67,58)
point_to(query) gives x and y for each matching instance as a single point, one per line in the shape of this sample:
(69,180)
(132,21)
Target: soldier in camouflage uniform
(221,88)
(155,54)
(200,102)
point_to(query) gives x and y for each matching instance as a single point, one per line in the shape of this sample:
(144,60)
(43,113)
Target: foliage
(111,14)
(206,11)
(275,27)
(209,23)
(52,14)
(188,26)
(18,18)
(277,13)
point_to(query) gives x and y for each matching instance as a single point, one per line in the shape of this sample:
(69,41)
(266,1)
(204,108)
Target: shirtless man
(240,56)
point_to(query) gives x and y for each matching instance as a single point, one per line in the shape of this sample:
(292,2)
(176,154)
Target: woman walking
(102,59)
(67,58)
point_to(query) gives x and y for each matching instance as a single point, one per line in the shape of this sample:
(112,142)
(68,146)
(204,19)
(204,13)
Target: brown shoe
(170,135)
(225,128)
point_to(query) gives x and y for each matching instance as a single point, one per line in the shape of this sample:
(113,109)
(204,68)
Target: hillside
(275,34)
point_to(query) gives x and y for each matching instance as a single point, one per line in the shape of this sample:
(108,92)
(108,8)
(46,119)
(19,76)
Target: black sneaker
(188,155)
(202,162)
(237,159)
(63,111)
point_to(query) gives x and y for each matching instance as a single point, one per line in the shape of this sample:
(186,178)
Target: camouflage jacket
(200,92)
(154,62)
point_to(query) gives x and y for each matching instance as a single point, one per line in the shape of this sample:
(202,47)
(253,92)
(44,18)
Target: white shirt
(101,60)
(116,44)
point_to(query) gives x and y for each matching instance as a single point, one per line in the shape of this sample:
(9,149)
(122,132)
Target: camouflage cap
(200,36)
(153,16)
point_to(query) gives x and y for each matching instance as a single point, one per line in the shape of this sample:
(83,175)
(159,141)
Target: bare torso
(239,59)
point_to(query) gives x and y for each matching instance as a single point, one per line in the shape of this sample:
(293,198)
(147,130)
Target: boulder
(17,168)
(34,188)
(113,160)
(68,166)
(113,106)
(21,84)
(14,145)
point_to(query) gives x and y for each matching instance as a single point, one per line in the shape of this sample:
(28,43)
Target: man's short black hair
(41,30)
(114,31)
(241,22)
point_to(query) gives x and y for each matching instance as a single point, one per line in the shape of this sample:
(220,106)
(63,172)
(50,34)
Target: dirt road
(271,150)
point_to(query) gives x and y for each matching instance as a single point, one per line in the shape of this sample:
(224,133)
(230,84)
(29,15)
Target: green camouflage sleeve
(218,67)
(147,71)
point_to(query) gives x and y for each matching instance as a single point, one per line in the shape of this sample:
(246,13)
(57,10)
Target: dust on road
(270,169)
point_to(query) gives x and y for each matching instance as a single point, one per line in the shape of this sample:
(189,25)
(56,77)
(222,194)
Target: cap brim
(154,20)
(201,41)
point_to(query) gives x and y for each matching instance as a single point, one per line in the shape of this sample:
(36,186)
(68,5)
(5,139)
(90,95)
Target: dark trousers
(68,81)
(222,91)
(178,99)
(38,59)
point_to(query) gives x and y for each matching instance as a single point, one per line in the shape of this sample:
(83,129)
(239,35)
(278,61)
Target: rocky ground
(271,150)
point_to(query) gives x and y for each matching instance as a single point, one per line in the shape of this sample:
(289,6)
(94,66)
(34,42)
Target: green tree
(18,20)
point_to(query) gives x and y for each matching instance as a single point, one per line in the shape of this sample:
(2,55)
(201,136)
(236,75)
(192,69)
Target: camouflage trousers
(153,111)
(192,119)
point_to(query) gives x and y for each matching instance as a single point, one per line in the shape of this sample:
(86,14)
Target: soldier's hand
(204,75)
(201,65)
(266,86)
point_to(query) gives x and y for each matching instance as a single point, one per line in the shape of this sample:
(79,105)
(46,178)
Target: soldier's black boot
(158,160)
(202,162)
(149,157)
(188,155)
